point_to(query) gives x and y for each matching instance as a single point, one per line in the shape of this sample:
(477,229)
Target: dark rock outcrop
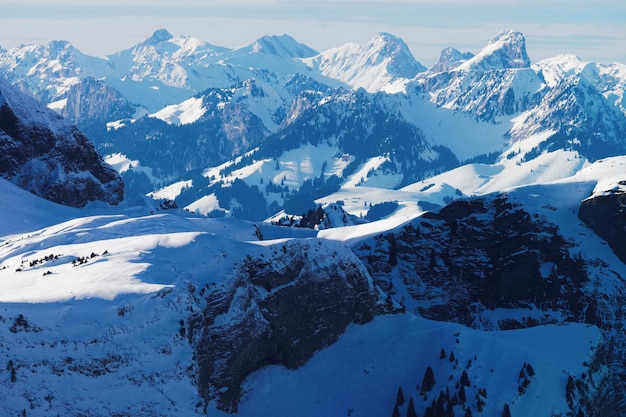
(278,309)
(605,215)
(43,154)
(481,253)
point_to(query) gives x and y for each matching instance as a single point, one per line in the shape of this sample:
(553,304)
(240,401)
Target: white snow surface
(184,113)
(171,191)
(123,305)
(364,369)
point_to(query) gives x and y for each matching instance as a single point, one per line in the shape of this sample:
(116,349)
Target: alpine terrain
(189,229)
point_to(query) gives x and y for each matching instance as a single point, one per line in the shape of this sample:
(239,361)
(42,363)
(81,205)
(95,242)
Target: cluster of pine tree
(447,403)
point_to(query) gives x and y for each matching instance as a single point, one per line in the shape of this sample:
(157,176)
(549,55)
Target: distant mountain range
(171,110)
(289,231)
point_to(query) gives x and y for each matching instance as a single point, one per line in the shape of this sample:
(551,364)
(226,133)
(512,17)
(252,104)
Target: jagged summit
(59,45)
(370,66)
(450,58)
(506,50)
(160,35)
(401,63)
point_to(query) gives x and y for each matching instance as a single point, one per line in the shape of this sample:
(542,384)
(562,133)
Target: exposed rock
(278,309)
(481,253)
(91,101)
(605,215)
(43,154)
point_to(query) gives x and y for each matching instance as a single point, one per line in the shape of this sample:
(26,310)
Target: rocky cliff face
(605,215)
(278,308)
(477,254)
(489,263)
(91,101)
(50,158)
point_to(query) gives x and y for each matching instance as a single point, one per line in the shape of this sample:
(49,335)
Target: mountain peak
(401,62)
(388,44)
(387,38)
(281,46)
(160,35)
(58,45)
(506,50)
(451,58)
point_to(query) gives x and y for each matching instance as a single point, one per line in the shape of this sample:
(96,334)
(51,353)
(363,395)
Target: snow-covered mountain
(493,108)
(512,115)
(445,241)
(371,66)
(506,50)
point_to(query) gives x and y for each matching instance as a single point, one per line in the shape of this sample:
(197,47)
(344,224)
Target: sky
(595,31)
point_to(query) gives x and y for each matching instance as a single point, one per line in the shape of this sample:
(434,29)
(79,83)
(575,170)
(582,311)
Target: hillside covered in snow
(294,232)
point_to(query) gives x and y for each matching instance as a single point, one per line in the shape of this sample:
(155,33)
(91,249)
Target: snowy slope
(103,335)
(394,351)
(608,78)
(113,311)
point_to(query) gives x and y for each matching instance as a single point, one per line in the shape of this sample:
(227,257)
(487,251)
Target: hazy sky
(594,30)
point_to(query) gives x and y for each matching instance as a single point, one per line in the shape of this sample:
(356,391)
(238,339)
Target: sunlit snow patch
(187,112)
(95,269)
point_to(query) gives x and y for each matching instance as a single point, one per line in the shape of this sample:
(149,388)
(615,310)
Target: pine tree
(465,379)
(505,411)
(431,410)
(451,358)
(393,251)
(441,404)
(462,396)
(480,403)
(468,412)
(442,354)
(396,412)
(433,260)
(400,397)
(428,381)
(569,391)
(410,412)
(449,410)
